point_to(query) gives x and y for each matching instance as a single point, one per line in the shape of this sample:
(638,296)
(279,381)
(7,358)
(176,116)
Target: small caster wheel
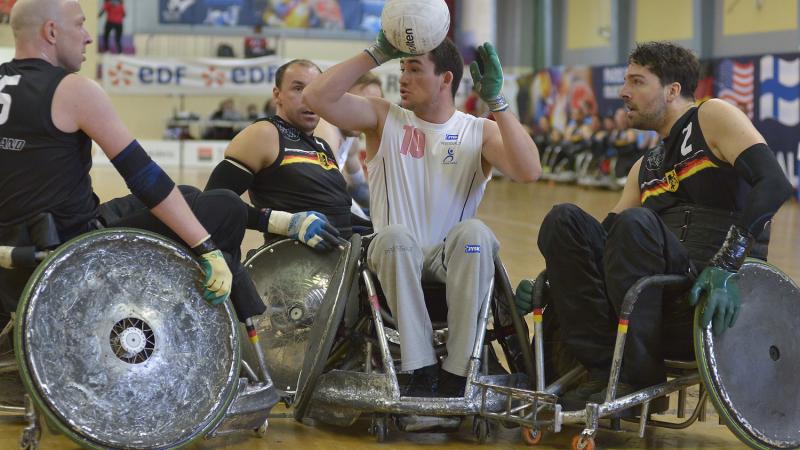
(262,430)
(481,429)
(531,436)
(581,442)
(380,429)
(29,440)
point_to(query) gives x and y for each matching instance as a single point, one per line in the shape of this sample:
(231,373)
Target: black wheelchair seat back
(28,239)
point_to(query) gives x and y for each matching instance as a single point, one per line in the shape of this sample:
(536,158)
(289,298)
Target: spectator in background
(252,111)
(226,112)
(256,45)
(5,10)
(115,15)
(269,108)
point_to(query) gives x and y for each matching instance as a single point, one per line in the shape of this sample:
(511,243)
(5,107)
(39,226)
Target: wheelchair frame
(525,407)
(341,395)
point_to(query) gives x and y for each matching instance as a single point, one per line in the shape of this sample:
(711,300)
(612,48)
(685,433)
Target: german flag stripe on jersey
(301,159)
(686,170)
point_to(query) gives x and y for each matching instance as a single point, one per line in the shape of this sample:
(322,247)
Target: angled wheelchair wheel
(291,279)
(323,332)
(750,371)
(117,347)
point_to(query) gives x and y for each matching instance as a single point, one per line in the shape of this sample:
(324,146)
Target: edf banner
(132,75)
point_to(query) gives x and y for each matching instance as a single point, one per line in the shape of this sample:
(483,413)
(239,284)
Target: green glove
(721,291)
(218,277)
(523,297)
(382,50)
(489,83)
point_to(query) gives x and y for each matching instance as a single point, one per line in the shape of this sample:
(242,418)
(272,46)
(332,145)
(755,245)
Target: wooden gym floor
(514,212)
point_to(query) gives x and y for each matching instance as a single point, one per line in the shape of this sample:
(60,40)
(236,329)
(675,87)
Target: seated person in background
(346,143)
(225,113)
(54,117)
(291,175)
(697,204)
(428,167)
(252,111)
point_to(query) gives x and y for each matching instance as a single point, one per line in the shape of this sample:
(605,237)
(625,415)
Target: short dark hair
(446,57)
(671,63)
(282,69)
(367,79)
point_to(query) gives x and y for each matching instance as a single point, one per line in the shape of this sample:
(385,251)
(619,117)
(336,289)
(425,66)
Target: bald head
(28,16)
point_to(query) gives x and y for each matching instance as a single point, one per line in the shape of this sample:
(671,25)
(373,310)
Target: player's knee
(472,232)
(633,221)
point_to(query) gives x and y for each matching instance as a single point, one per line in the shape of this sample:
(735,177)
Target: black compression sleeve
(230,174)
(758,166)
(146,180)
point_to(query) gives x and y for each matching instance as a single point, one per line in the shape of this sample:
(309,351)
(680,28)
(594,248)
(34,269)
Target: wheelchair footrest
(522,407)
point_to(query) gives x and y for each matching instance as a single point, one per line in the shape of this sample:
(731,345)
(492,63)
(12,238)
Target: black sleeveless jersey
(682,170)
(41,168)
(304,177)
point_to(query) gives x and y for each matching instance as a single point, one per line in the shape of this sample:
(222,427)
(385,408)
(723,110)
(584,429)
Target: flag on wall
(736,81)
(780,90)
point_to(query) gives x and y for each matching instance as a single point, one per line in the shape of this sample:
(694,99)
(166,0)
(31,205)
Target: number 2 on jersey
(5,98)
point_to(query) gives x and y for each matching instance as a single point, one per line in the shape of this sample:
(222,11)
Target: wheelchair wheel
(118,348)
(750,371)
(291,279)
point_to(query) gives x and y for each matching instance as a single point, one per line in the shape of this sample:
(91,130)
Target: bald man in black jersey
(51,115)
(696,204)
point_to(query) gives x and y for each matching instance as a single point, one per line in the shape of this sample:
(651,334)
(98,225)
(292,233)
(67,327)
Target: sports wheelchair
(330,343)
(748,372)
(117,348)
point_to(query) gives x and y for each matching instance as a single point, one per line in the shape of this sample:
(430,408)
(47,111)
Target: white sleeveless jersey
(426,176)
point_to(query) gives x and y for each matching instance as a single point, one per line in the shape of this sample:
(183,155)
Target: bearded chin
(652,119)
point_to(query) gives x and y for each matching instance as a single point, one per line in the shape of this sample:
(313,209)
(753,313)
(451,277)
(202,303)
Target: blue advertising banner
(345,15)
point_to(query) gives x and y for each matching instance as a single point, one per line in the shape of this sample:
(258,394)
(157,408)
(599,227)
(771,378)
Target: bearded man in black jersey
(698,204)
(291,175)
(52,115)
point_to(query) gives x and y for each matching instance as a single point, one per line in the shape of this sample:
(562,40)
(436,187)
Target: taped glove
(382,50)
(718,283)
(218,276)
(309,227)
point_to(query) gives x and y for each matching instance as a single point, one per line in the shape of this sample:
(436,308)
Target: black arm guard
(146,180)
(758,166)
(734,250)
(230,174)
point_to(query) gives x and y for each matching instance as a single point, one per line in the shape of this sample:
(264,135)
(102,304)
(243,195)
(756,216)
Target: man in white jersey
(345,144)
(428,165)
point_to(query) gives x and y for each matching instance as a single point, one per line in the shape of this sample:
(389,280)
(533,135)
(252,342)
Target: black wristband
(204,247)
(734,250)
(608,222)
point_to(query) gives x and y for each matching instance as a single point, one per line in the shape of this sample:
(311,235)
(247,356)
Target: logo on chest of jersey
(450,158)
(298,156)
(14,145)
(672,181)
(655,158)
(450,138)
